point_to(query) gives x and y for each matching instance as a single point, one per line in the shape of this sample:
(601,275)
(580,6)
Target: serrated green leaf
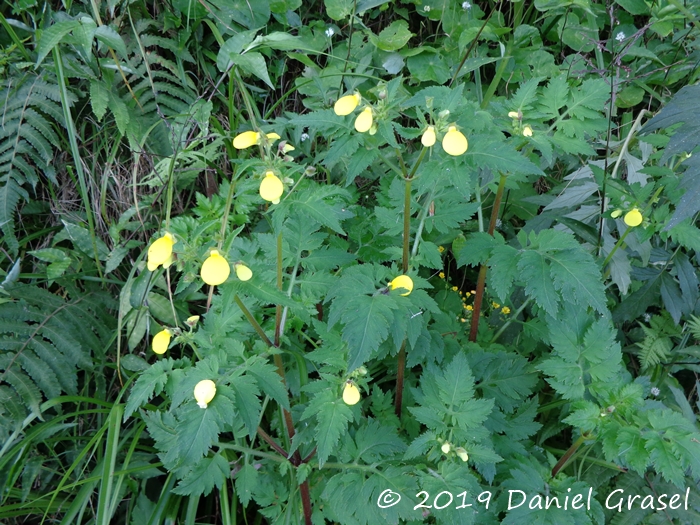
(208,473)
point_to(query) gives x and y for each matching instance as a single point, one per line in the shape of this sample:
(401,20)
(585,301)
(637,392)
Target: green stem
(252,321)
(509,321)
(421,224)
(75,151)
(278,308)
(401,358)
(481,282)
(497,77)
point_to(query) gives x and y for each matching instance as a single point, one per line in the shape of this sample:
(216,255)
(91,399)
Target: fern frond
(654,348)
(27,141)
(694,326)
(46,340)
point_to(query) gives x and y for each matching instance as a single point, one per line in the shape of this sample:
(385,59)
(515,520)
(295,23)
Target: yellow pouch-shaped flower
(243,272)
(428,138)
(204,392)
(215,269)
(347,104)
(160,251)
(161,341)
(363,122)
(527,131)
(633,217)
(454,142)
(271,188)
(246,139)
(351,394)
(402,281)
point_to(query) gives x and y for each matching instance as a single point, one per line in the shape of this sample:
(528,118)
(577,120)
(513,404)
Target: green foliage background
(547,345)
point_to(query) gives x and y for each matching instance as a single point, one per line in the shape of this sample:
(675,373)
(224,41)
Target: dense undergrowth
(350,261)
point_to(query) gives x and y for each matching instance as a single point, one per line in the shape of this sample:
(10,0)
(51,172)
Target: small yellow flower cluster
(447,447)
(215,269)
(517,117)
(364,121)
(632,218)
(453,142)
(271,187)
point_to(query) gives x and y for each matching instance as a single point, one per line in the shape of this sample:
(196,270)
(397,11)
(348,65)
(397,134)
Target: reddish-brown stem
(481,282)
(306,502)
(567,455)
(268,439)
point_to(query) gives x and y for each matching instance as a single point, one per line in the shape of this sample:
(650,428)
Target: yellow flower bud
(243,272)
(446,447)
(160,251)
(527,131)
(246,139)
(161,341)
(462,453)
(192,320)
(215,269)
(347,104)
(204,392)
(514,114)
(351,394)
(633,218)
(272,136)
(402,281)
(616,214)
(363,122)
(287,148)
(454,142)
(271,188)
(428,138)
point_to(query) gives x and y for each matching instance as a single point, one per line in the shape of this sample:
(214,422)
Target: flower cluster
(524,130)
(453,142)
(632,218)
(364,121)
(271,186)
(214,271)
(447,447)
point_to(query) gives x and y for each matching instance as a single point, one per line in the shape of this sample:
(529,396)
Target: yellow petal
(428,138)
(272,136)
(633,218)
(445,448)
(161,341)
(246,139)
(271,188)
(454,142)
(160,251)
(364,120)
(215,269)
(351,394)
(346,105)
(402,281)
(204,392)
(288,147)
(462,453)
(527,131)
(243,272)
